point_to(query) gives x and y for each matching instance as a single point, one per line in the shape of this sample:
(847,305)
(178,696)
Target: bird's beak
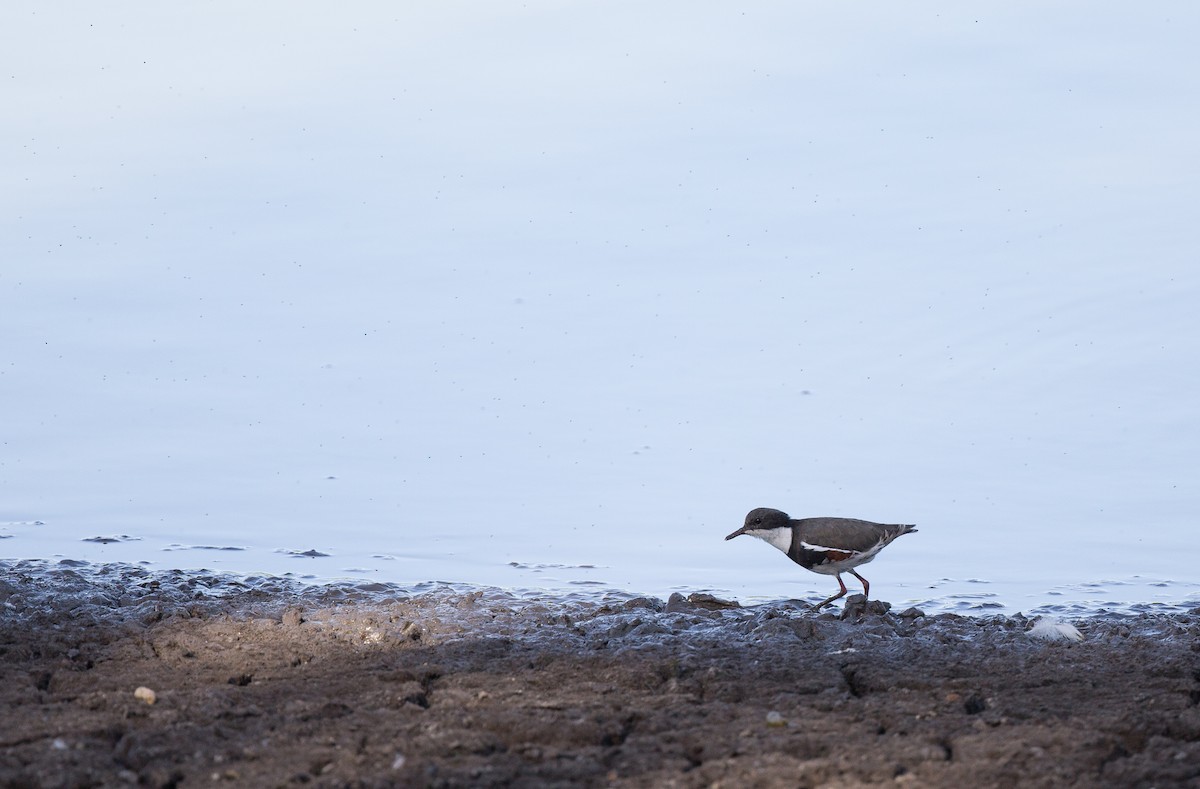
(736,533)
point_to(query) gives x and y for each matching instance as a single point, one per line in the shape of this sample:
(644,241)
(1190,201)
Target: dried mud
(262,685)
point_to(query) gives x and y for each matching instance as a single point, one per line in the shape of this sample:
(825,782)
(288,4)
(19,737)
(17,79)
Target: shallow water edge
(100,590)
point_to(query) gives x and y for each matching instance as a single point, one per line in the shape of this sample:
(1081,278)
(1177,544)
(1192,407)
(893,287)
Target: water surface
(496,297)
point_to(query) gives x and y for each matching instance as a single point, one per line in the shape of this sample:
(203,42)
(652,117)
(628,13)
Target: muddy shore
(275,685)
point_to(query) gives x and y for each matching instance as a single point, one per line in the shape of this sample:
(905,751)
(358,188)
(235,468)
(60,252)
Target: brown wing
(848,534)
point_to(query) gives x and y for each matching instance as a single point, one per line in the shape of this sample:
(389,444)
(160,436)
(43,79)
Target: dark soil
(453,688)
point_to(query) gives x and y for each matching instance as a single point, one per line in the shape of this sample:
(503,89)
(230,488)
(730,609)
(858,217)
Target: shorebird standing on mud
(830,546)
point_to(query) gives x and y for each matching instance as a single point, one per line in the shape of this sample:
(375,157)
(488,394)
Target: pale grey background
(438,287)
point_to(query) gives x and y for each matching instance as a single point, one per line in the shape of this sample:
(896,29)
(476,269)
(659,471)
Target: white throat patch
(780,538)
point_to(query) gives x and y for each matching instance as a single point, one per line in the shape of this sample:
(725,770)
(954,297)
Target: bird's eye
(758,520)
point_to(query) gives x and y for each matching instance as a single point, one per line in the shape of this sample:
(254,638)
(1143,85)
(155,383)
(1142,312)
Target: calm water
(776,579)
(464,297)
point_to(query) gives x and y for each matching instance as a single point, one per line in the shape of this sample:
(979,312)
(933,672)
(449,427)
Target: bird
(830,546)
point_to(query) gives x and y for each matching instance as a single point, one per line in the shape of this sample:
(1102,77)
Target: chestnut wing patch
(830,554)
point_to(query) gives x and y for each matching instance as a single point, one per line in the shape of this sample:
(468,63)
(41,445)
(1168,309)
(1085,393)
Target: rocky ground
(124,677)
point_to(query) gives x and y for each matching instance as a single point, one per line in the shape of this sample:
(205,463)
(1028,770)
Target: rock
(146,695)
(653,603)
(677,603)
(857,606)
(710,603)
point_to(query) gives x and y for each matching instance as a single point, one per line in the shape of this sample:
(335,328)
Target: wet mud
(118,676)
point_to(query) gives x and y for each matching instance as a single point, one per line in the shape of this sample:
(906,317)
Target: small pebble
(146,695)
(775,719)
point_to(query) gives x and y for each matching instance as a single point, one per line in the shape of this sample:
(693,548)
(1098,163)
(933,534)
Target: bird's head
(763,521)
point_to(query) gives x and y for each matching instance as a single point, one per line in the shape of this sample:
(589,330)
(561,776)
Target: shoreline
(1114,597)
(281,686)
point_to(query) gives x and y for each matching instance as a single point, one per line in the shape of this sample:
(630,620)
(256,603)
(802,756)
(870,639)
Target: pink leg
(866,586)
(839,594)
